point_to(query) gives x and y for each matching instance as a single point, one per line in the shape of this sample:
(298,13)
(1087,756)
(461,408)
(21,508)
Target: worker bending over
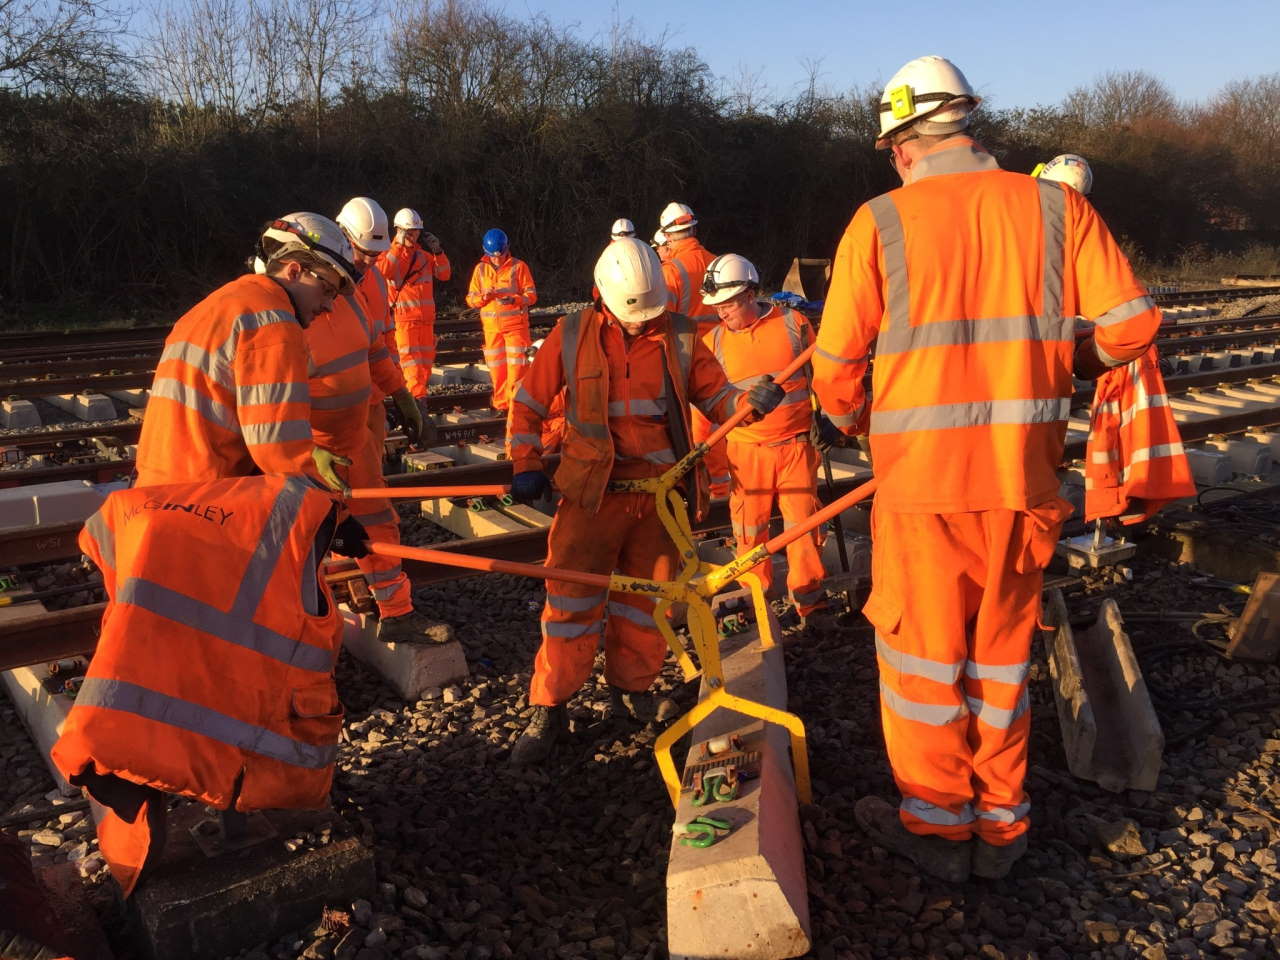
(502,290)
(967,279)
(412,266)
(230,395)
(775,458)
(631,369)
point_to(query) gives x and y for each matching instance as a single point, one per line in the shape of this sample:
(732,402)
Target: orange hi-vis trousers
(391,587)
(416,345)
(955,602)
(506,353)
(786,472)
(623,535)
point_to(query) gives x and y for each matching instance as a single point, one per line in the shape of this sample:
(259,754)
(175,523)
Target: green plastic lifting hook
(702,832)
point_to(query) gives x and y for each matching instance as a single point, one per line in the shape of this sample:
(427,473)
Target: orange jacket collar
(954,155)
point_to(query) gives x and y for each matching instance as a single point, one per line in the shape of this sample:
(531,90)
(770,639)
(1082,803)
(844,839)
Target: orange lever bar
(488,564)
(427,493)
(822,516)
(745,410)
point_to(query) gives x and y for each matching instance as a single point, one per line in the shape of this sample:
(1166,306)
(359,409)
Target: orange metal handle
(822,516)
(488,564)
(427,493)
(745,410)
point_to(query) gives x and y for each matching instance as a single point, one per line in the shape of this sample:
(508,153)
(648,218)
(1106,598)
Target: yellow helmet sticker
(902,101)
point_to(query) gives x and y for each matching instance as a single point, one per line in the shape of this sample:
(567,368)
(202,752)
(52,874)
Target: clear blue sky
(1019,54)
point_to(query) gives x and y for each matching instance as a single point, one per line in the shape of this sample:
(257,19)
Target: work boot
(413,627)
(994,862)
(822,621)
(546,726)
(640,705)
(937,856)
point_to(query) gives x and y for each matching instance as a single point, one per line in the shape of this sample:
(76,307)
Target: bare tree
(63,46)
(328,46)
(1122,98)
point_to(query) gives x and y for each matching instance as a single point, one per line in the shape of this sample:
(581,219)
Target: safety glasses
(330,291)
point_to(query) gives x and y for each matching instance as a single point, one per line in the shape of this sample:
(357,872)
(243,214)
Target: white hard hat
(659,238)
(316,234)
(622,227)
(676,217)
(533,348)
(629,278)
(1069,168)
(366,224)
(408,219)
(929,94)
(726,277)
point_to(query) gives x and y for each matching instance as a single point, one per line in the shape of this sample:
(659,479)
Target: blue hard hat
(495,242)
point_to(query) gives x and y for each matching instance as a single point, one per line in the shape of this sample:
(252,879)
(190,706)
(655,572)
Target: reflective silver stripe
(231,628)
(938,671)
(382,353)
(527,439)
(215,366)
(505,312)
(570,330)
(998,717)
(410,362)
(639,408)
(792,323)
(264,318)
(754,529)
(569,631)
(383,577)
(827,355)
(843,419)
(492,351)
(1006,814)
(161,708)
(417,350)
(379,281)
(746,383)
(338,364)
(376,518)
(341,401)
(354,303)
(103,536)
(1126,311)
(662,457)
(956,333)
(310,588)
(893,243)
(405,304)
(979,413)
(960,159)
(271,393)
(1053,218)
(932,813)
(191,398)
(685,298)
(934,714)
(270,545)
(684,331)
(385,593)
(522,396)
(1014,673)
(1107,359)
(281,431)
(558,601)
(710,406)
(1143,454)
(639,617)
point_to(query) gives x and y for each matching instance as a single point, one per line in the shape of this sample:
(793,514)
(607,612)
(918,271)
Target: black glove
(530,486)
(349,538)
(828,434)
(765,396)
(1087,365)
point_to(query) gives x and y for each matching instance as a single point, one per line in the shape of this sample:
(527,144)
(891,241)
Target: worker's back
(683,271)
(968,281)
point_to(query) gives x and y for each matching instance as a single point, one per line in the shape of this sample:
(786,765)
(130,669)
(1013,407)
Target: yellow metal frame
(695,585)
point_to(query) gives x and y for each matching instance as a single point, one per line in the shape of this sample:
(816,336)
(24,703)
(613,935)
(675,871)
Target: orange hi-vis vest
(684,268)
(968,281)
(765,347)
(377,303)
(576,358)
(350,358)
(509,278)
(230,395)
(412,272)
(1134,462)
(213,675)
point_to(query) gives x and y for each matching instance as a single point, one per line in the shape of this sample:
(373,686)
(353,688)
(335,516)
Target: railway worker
(683,267)
(412,266)
(616,358)
(967,279)
(775,458)
(622,227)
(230,395)
(502,290)
(353,371)
(1069,168)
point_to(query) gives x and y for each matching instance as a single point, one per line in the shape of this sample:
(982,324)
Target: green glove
(326,463)
(411,414)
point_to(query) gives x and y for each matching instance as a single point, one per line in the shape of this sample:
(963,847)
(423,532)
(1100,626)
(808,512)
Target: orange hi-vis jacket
(683,269)
(968,281)
(510,277)
(376,291)
(1134,462)
(230,394)
(766,347)
(350,359)
(620,422)
(412,272)
(213,675)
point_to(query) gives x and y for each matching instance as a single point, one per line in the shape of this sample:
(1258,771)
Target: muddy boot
(413,627)
(938,857)
(636,704)
(546,726)
(994,862)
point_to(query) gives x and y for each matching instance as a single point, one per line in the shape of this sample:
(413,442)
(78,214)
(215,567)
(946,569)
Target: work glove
(327,463)
(1086,364)
(507,301)
(765,396)
(432,243)
(349,539)
(828,434)
(529,486)
(410,416)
